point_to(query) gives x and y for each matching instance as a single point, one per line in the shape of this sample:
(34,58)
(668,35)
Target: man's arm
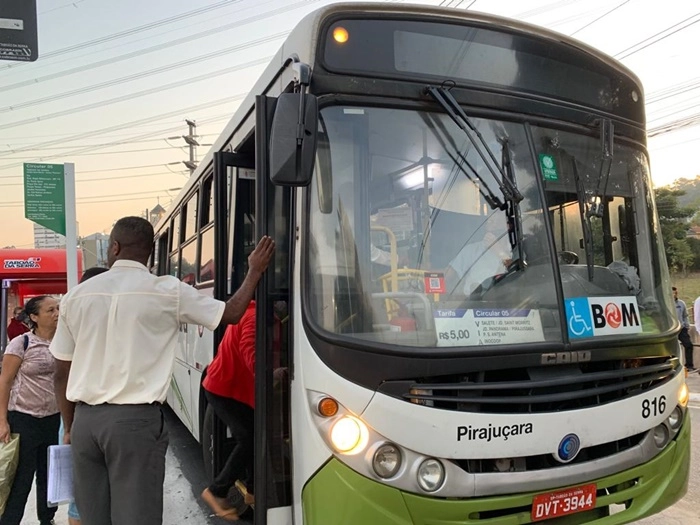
(257,264)
(66,407)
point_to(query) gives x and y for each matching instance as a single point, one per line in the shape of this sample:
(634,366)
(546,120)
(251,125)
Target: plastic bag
(9,458)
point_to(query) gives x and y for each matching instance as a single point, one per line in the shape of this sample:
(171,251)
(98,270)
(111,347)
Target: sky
(115,81)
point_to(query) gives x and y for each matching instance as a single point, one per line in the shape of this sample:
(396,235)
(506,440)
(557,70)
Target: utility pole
(192,143)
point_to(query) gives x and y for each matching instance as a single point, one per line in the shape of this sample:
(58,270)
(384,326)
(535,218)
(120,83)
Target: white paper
(60,482)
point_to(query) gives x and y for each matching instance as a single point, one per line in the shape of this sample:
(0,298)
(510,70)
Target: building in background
(94,249)
(45,238)
(155,214)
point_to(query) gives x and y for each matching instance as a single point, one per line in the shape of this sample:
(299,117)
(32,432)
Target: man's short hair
(674,288)
(92,272)
(134,233)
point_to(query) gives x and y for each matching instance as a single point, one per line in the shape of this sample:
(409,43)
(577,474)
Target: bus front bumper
(337,495)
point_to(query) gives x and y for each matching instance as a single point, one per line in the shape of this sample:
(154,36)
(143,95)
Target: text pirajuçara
(470,433)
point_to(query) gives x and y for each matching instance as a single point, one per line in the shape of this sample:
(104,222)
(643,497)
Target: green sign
(549,167)
(44,196)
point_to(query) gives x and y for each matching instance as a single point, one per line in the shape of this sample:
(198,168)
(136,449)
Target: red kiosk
(28,273)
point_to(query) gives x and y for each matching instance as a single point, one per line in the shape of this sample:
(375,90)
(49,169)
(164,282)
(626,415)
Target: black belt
(152,403)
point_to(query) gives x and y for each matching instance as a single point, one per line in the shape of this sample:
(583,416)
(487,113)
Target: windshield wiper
(585,220)
(606,151)
(515,231)
(459,117)
(460,161)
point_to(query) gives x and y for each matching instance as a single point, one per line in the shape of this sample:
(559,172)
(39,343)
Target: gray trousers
(119,464)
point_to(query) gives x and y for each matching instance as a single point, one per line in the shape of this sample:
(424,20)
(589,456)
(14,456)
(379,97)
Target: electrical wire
(624,53)
(134,30)
(600,17)
(158,47)
(144,74)
(125,125)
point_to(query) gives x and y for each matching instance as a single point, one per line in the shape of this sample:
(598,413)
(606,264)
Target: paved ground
(184,480)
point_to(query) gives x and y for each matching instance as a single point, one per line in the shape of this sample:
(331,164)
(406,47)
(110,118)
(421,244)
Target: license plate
(563,502)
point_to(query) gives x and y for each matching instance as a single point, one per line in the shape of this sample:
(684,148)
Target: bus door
(234,212)
(273,372)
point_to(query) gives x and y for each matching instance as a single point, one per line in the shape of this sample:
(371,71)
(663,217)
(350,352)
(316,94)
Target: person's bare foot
(248,498)
(219,506)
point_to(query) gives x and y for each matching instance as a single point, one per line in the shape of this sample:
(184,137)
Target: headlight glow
(683,395)
(349,435)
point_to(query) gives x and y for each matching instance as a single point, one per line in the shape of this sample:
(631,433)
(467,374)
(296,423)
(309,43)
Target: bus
(468,318)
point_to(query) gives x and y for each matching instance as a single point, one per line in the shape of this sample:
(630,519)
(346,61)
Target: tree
(674,221)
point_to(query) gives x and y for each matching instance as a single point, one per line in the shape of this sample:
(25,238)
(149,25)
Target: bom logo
(614,315)
(595,316)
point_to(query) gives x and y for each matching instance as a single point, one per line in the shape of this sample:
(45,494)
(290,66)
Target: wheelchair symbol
(577,324)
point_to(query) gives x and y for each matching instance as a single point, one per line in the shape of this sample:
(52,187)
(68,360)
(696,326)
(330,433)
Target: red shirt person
(232,372)
(16,326)
(229,387)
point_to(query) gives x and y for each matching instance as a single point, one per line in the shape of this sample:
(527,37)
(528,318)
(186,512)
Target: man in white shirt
(115,350)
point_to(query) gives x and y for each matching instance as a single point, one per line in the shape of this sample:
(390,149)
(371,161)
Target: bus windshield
(414,242)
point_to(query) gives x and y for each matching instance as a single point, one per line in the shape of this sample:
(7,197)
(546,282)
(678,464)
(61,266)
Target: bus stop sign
(18,32)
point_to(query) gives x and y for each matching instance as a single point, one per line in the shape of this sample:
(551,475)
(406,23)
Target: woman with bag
(28,408)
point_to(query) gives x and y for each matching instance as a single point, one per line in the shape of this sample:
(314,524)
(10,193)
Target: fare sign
(555,504)
(44,196)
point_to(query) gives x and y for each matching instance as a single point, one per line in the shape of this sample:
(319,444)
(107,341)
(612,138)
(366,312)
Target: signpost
(18,30)
(49,200)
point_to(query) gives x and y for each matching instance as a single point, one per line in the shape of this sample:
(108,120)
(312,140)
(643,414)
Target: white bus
(469,296)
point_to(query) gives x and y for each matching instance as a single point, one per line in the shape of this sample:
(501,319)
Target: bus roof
(298,43)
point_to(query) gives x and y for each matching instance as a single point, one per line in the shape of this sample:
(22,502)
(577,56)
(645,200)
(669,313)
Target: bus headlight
(683,395)
(349,435)
(431,474)
(660,436)
(675,419)
(386,461)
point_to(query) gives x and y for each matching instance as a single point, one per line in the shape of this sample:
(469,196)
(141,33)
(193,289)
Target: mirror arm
(302,79)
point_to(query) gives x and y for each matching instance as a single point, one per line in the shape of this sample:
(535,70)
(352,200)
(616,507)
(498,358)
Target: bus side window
(161,256)
(174,266)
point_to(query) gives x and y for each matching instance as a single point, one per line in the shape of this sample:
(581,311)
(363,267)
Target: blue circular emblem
(568,448)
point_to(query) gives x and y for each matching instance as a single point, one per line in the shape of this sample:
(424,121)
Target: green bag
(9,457)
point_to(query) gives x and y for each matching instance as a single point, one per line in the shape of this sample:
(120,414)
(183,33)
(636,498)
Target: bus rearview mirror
(293,139)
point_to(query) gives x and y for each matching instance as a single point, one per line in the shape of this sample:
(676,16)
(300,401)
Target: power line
(154,48)
(135,30)
(21,203)
(144,74)
(137,94)
(29,144)
(70,4)
(117,127)
(599,18)
(622,54)
(89,148)
(107,179)
(129,151)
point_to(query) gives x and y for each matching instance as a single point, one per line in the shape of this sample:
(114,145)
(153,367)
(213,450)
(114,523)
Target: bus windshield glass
(414,241)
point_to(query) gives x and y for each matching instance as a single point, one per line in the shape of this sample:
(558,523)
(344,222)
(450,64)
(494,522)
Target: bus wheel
(208,443)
